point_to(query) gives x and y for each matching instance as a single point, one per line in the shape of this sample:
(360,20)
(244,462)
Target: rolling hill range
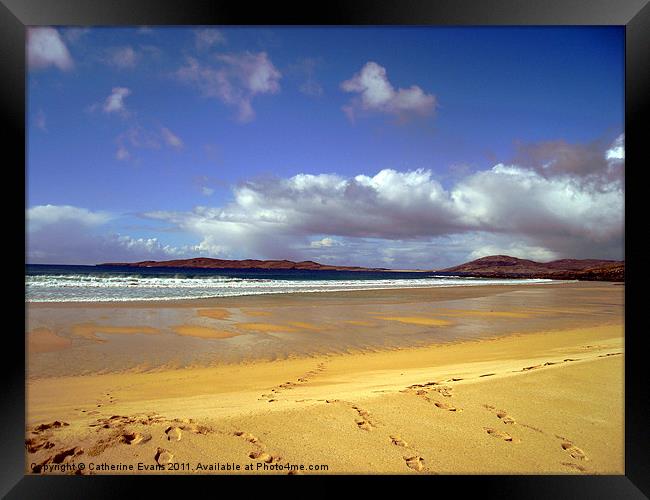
(504,266)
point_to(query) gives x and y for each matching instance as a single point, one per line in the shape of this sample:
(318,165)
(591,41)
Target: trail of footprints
(42,435)
(426,390)
(105,401)
(118,430)
(367,423)
(259,451)
(566,444)
(113,431)
(303,379)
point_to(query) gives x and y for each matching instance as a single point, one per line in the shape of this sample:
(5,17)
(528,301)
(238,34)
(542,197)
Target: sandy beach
(469,380)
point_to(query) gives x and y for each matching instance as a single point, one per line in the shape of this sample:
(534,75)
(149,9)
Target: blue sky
(399,147)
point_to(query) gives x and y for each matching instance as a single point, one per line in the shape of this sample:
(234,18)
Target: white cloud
(122,57)
(45,48)
(73,34)
(114,103)
(238,79)
(377,94)
(46,215)
(139,137)
(207,191)
(208,37)
(63,234)
(171,139)
(505,209)
(398,219)
(517,249)
(617,149)
(325,242)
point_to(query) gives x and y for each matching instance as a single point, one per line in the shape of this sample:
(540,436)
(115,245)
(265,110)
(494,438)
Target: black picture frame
(15,15)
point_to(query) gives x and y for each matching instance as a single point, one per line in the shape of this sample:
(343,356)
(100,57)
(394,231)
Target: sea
(65,283)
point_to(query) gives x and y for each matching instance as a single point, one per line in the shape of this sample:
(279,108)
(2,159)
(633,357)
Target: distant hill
(207,263)
(504,266)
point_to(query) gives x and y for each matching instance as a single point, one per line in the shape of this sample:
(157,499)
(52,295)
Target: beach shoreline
(536,400)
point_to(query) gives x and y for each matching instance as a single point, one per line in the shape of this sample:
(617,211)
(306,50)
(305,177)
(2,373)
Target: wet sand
(515,379)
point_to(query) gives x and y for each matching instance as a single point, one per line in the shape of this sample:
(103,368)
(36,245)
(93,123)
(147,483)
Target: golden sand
(416,320)
(472,407)
(45,340)
(307,326)
(265,327)
(488,314)
(89,330)
(258,313)
(360,323)
(213,313)
(203,332)
(543,401)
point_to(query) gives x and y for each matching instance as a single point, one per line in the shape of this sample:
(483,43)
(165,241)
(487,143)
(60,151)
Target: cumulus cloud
(114,103)
(41,216)
(236,81)
(616,151)
(45,48)
(402,219)
(208,37)
(505,209)
(63,234)
(377,94)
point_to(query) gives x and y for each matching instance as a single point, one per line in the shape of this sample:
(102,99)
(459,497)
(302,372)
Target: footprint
(363,424)
(498,434)
(59,458)
(398,441)
(505,418)
(263,456)
(574,466)
(173,433)
(163,456)
(487,374)
(443,390)
(574,451)
(33,445)
(534,367)
(134,438)
(445,406)
(196,428)
(65,455)
(415,462)
(247,436)
(54,425)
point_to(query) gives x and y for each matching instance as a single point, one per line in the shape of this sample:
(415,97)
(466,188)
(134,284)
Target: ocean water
(50,283)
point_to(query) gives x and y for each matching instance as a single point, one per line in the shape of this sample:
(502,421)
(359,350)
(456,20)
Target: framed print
(376,240)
